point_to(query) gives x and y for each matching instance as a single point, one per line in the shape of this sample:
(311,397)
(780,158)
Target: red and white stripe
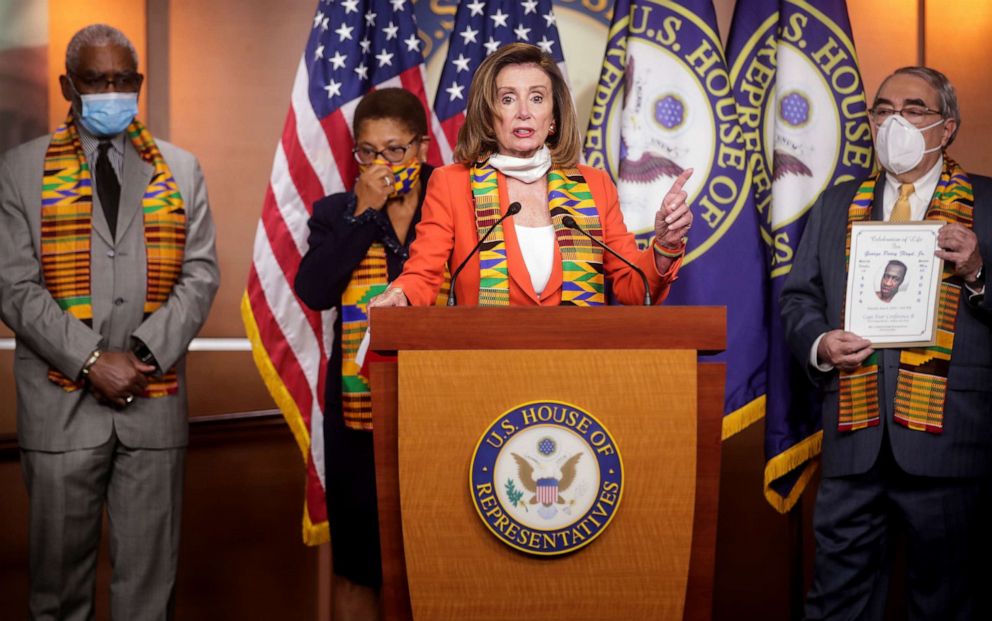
(291,342)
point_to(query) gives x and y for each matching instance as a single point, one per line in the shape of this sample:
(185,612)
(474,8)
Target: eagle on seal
(541,480)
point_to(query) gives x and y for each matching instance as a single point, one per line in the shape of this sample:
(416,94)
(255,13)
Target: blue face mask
(108,114)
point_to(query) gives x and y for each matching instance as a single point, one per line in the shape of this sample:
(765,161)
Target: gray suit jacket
(49,419)
(812,300)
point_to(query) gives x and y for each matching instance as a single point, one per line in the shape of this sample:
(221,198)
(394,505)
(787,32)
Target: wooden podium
(634,369)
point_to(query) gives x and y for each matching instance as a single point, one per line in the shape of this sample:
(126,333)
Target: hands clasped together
(116,377)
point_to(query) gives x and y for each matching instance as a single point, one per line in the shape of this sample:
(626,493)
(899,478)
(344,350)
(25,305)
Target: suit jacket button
(111,254)
(118,301)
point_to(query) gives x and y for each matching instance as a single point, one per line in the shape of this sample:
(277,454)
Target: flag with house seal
(802,105)
(664,104)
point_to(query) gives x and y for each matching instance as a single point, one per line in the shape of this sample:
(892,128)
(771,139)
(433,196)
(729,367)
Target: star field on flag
(481,28)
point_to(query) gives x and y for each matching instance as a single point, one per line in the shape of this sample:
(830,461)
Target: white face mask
(526,169)
(900,145)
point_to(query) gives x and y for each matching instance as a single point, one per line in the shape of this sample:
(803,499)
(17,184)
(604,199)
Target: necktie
(108,186)
(901,211)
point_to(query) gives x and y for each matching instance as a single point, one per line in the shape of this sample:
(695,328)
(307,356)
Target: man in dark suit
(107,271)
(907,433)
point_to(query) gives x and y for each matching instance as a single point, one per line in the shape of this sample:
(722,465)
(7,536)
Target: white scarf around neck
(526,169)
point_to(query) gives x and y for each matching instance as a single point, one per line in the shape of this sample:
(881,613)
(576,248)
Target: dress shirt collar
(923,189)
(91,143)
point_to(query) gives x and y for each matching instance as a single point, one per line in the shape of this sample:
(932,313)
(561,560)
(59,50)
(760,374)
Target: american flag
(481,27)
(354,46)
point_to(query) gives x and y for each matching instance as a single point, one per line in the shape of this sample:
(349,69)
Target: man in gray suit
(907,433)
(107,271)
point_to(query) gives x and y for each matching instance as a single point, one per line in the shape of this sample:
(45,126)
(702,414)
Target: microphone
(570,222)
(512,210)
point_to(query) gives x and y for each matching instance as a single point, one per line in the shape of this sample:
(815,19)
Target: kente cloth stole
(582,261)
(67,226)
(368,280)
(922,382)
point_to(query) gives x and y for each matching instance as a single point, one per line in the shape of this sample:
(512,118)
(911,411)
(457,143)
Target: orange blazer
(447,233)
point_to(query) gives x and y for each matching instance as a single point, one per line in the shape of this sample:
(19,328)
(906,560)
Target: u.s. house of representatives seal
(664,104)
(546,477)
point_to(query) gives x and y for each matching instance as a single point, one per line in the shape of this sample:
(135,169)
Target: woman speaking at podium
(518,188)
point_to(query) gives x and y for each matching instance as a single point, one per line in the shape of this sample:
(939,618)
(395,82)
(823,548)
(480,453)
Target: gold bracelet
(90,362)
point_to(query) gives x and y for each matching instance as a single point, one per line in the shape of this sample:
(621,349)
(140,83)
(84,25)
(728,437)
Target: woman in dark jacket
(359,242)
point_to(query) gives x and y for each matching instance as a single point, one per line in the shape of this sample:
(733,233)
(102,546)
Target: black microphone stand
(512,210)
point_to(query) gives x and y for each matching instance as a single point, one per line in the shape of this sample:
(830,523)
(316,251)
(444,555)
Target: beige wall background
(219,74)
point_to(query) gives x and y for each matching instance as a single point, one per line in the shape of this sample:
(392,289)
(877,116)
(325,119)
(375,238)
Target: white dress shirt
(91,145)
(537,245)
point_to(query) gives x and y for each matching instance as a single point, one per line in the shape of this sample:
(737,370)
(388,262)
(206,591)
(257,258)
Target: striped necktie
(901,211)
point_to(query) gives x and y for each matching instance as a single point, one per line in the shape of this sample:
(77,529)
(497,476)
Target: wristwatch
(979,279)
(144,354)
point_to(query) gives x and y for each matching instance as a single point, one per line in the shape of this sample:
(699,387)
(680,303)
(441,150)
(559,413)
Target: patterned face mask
(404,177)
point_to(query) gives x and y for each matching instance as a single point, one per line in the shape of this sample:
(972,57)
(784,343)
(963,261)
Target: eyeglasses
(96,82)
(393,154)
(914,114)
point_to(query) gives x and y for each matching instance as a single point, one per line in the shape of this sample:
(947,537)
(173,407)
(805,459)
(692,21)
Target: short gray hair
(96,35)
(949,108)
